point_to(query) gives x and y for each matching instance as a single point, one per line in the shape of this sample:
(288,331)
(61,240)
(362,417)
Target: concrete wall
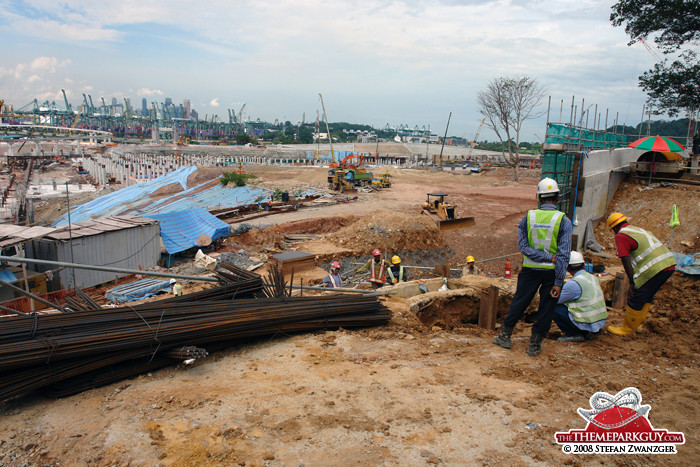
(601,174)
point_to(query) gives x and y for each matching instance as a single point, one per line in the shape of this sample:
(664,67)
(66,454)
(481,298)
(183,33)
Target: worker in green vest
(396,271)
(581,312)
(648,265)
(544,239)
(177,288)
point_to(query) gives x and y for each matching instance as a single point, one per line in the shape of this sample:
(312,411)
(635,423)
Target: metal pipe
(16,259)
(13,311)
(33,297)
(337,289)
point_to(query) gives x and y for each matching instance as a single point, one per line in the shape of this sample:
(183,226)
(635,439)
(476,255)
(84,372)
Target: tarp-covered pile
(183,230)
(143,199)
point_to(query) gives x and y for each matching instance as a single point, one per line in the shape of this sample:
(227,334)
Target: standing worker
(396,271)
(377,269)
(648,265)
(581,310)
(470,269)
(544,239)
(177,288)
(333,279)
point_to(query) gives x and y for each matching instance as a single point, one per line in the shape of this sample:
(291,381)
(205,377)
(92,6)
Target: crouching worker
(176,287)
(333,279)
(581,311)
(396,271)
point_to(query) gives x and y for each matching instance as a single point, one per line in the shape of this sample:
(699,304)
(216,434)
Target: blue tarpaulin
(138,200)
(7,275)
(136,290)
(180,230)
(688,264)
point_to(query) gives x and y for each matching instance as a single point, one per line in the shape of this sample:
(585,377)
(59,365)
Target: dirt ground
(403,394)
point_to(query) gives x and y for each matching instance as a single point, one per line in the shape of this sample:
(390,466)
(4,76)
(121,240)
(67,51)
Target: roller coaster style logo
(618,424)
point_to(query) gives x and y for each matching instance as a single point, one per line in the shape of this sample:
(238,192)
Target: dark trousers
(645,294)
(563,320)
(529,281)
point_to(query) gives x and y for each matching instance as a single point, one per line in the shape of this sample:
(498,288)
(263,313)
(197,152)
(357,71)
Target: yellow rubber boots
(633,319)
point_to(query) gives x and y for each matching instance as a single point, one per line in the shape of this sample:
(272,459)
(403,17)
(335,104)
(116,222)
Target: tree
(507,103)
(674,86)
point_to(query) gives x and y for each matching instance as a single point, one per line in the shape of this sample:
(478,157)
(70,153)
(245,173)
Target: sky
(376,62)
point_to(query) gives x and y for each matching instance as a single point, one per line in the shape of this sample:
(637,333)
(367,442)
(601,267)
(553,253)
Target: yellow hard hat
(395,259)
(470,259)
(616,218)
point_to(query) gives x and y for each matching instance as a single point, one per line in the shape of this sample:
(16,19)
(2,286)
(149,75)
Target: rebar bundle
(83,349)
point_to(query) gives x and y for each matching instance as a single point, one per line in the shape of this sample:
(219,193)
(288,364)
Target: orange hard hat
(616,218)
(377,252)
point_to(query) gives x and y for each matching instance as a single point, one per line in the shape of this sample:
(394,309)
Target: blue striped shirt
(563,245)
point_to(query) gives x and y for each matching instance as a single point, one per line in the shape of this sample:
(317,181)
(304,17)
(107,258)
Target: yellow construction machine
(443,213)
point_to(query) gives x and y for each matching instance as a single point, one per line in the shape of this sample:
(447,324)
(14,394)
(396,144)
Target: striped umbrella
(657,143)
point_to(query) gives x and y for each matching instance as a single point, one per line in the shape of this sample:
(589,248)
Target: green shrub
(238,179)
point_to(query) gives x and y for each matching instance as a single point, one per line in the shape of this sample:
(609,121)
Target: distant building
(188,108)
(168,102)
(144,107)
(114,102)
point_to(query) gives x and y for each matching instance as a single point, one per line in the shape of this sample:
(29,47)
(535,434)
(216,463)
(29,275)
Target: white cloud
(214,102)
(148,92)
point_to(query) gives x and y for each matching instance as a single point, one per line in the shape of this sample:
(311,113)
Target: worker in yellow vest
(581,312)
(177,288)
(648,265)
(377,269)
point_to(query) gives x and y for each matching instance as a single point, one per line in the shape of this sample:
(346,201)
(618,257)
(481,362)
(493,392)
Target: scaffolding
(567,142)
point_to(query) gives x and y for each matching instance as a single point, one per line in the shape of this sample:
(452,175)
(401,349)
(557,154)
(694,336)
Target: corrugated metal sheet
(136,290)
(11,234)
(134,247)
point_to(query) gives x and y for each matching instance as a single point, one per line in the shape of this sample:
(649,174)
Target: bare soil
(410,393)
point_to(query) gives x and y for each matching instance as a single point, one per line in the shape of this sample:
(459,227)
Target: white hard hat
(172,281)
(575,258)
(547,186)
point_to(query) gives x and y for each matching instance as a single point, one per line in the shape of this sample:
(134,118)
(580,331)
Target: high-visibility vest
(333,282)
(177,290)
(391,274)
(649,258)
(377,276)
(542,232)
(590,306)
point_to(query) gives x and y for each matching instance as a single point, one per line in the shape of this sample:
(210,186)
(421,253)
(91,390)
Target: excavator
(346,175)
(443,213)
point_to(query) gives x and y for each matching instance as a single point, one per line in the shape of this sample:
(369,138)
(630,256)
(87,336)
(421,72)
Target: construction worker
(581,310)
(377,269)
(470,269)
(648,265)
(396,271)
(177,288)
(333,279)
(544,239)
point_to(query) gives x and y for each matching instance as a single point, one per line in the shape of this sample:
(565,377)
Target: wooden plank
(488,308)
(620,290)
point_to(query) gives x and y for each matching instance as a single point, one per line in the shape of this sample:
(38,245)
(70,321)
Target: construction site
(247,360)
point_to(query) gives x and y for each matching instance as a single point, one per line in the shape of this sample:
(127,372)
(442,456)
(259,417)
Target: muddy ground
(403,394)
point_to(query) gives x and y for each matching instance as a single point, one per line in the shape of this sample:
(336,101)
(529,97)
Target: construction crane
(476,137)
(325,118)
(65,99)
(77,116)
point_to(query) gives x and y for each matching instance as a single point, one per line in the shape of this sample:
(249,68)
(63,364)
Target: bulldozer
(443,213)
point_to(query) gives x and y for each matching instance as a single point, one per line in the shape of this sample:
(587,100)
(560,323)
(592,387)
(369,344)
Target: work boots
(633,320)
(535,345)
(503,339)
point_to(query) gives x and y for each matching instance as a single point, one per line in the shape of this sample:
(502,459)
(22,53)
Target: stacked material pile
(70,352)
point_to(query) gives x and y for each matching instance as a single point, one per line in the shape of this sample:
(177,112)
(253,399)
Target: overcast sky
(375,61)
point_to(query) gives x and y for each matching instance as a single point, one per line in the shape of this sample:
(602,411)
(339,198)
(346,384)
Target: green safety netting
(561,134)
